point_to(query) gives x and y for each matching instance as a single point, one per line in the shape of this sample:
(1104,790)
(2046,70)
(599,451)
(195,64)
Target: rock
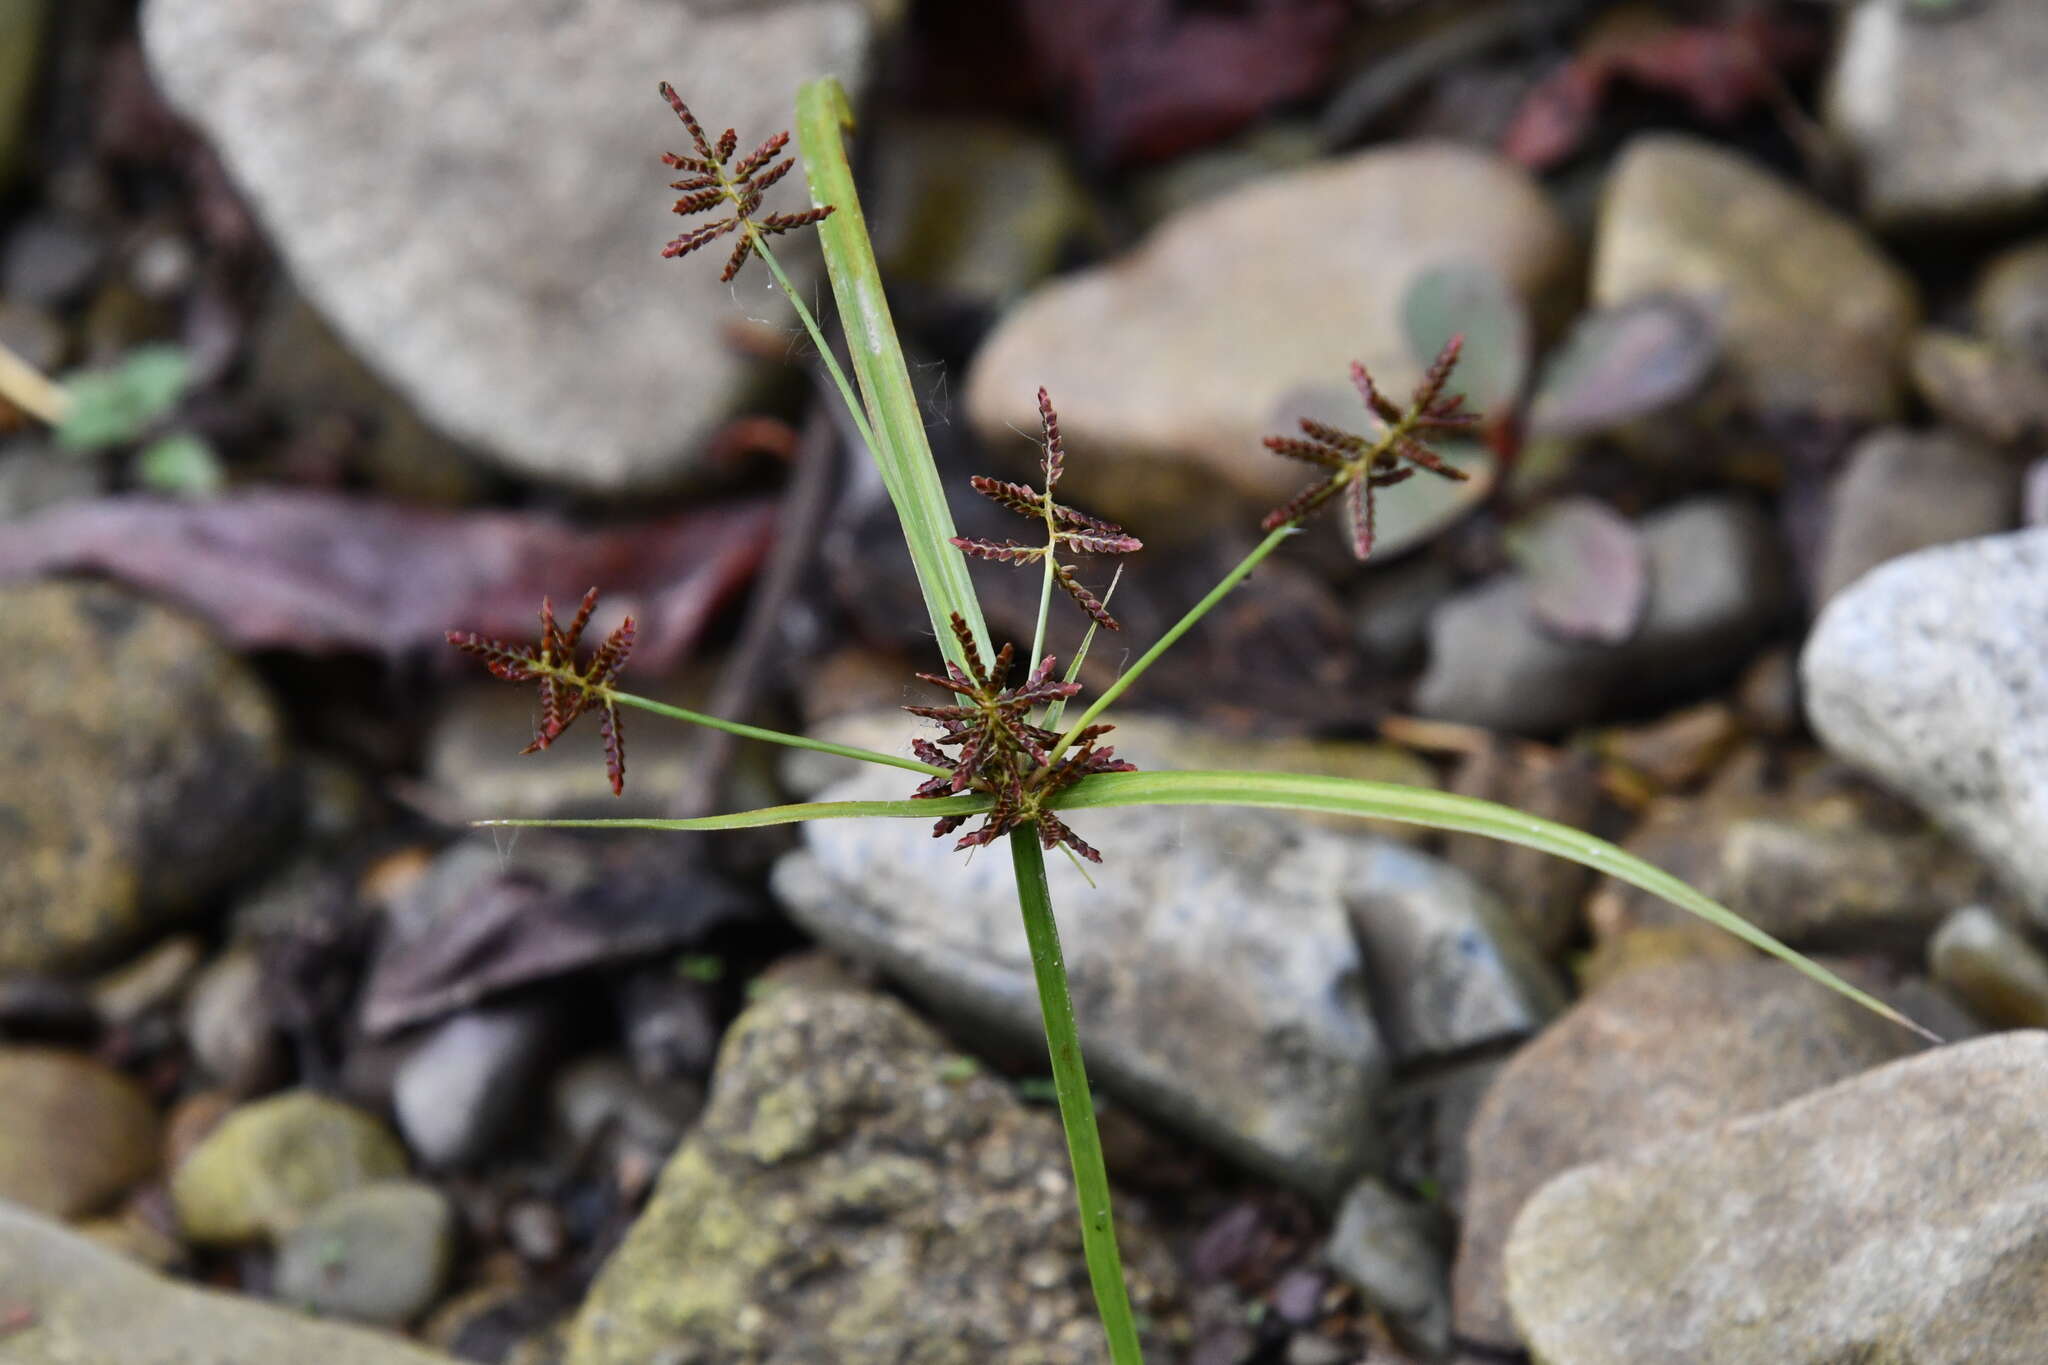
(464,1087)
(1426,1118)
(976,210)
(76,1302)
(1931,675)
(124,806)
(50,260)
(153,982)
(1904,491)
(1203,338)
(1657,1052)
(1994,394)
(1811,317)
(1991,968)
(1450,968)
(1392,1250)
(33,478)
(270,1164)
(484,226)
(1156,193)
(1220,986)
(32,334)
(78,1134)
(1718,584)
(846,1166)
(229,1025)
(2010,300)
(1391,609)
(376,1254)
(600,1096)
(1937,108)
(1674,751)
(1895,1216)
(670,1023)
(1542,890)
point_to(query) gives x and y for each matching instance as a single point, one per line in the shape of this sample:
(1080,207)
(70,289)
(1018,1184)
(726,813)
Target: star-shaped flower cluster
(1361,465)
(1063,524)
(567,689)
(1000,752)
(713,181)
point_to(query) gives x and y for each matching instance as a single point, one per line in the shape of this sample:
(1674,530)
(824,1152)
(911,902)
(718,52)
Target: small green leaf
(112,407)
(1465,298)
(181,464)
(1037,1090)
(1623,363)
(959,1067)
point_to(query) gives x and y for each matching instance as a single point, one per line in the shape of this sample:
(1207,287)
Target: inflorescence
(1063,525)
(712,181)
(1001,753)
(1359,465)
(566,689)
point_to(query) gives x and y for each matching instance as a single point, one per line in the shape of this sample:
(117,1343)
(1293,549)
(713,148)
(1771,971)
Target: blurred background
(330,327)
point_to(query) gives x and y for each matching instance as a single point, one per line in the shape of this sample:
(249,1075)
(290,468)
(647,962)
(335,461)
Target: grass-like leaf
(1439,810)
(774,815)
(901,451)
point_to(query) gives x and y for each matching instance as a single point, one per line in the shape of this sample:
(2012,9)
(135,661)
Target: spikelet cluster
(712,180)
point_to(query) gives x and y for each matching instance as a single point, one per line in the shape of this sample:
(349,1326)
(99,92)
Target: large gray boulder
(1894,1217)
(1931,674)
(472,193)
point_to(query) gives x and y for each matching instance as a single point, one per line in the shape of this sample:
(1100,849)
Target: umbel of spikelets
(712,180)
(996,749)
(1358,466)
(1064,526)
(567,688)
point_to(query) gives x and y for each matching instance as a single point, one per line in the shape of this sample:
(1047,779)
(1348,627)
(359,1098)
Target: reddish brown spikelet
(716,180)
(999,752)
(567,688)
(1064,525)
(1360,466)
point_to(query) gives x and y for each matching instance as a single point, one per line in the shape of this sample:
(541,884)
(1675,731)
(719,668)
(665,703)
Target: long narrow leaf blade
(774,815)
(1440,810)
(904,456)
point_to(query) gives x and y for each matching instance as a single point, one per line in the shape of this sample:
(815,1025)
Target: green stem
(839,379)
(1044,610)
(1077,1106)
(1181,627)
(789,741)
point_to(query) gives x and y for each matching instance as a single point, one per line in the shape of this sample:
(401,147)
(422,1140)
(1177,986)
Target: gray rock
(229,1025)
(854,1195)
(82,1304)
(1991,968)
(1995,393)
(1450,968)
(1230,311)
(2010,300)
(376,1254)
(1811,316)
(50,260)
(1426,1118)
(1904,491)
(1218,981)
(1896,1216)
(1717,585)
(1931,674)
(471,193)
(142,768)
(467,1082)
(1658,1051)
(33,477)
(1392,1250)
(1940,104)
(600,1096)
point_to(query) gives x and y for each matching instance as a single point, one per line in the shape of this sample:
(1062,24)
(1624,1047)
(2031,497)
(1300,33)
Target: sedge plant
(1004,754)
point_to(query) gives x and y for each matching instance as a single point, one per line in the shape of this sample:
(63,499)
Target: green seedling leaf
(182,465)
(1623,363)
(115,406)
(708,968)
(1465,298)
(1589,576)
